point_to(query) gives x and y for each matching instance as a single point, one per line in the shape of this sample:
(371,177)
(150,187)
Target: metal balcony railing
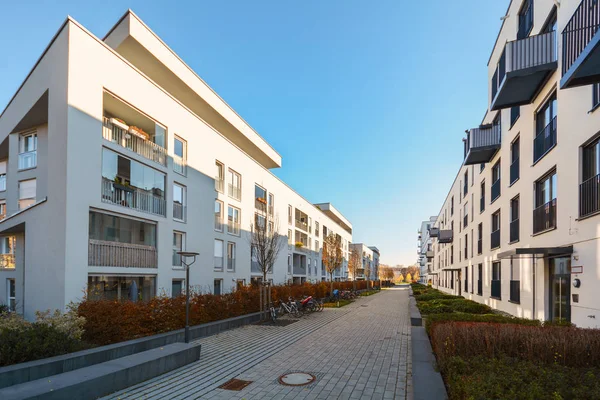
(230,264)
(544,217)
(114,254)
(496,190)
(218,223)
(514,171)
(260,204)
(143,147)
(481,144)
(589,196)
(218,261)
(179,211)
(27,160)
(134,198)
(514,230)
(496,289)
(579,31)
(495,239)
(515,291)
(233,227)
(544,140)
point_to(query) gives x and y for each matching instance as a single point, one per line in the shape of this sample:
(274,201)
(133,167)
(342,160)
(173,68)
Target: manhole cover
(297,379)
(235,384)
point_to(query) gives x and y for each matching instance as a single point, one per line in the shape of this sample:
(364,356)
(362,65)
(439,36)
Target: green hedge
(427,296)
(466,317)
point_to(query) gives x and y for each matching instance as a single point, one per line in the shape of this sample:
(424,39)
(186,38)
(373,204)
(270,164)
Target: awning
(452,269)
(536,252)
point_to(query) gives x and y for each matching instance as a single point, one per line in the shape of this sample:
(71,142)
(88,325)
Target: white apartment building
(116,155)
(370,261)
(424,249)
(519,227)
(376,256)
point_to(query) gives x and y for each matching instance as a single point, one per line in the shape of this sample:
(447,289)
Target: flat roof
(329,210)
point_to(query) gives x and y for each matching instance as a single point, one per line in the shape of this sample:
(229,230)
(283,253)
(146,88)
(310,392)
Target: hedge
(433,319)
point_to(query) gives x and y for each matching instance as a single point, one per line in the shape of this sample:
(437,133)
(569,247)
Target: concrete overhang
(133,40)
(329,210)
(536,252)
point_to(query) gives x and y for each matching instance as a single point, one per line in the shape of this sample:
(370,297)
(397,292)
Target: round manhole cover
(297,379)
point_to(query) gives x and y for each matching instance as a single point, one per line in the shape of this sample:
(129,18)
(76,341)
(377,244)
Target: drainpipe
(534,284)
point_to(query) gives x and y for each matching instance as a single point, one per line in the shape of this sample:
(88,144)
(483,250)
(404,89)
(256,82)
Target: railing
(114,254)
(485,136)
(134,198)
(219,184)
(2,183)
(179,165)
(254,267)
(302,225)
(579,31)
(514,230)
(27,160)
(515,291)
(233,227)
(544,217)
(259,205)
(465,220)
(143,147)
(495,190)
(230,264)
(482,204)
(589,196)
(496,289)
(479,287)
(218,263)
(495,239)
(235,192)
(218,223)
(176,258)
(514,171)
(544,140)
(271,212)
(479,246)
(179,211)
(7,261)
(531,51)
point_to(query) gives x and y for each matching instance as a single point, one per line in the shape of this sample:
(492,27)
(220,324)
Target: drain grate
(235,384)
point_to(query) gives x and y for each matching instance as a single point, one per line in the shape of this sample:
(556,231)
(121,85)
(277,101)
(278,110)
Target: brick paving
(361,351)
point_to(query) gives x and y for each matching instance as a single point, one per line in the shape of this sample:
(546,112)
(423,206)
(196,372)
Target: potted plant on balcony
(139,132)
(299,245)
(119,123)
(261,200)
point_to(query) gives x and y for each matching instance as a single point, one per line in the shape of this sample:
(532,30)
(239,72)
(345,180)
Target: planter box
(119,124)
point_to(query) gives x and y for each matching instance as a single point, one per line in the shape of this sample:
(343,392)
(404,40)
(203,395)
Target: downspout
(534,284)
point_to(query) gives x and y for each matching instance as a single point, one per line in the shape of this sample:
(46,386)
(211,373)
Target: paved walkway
(361,351)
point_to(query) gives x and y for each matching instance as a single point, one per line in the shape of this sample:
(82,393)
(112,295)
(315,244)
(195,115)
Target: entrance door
(560,289)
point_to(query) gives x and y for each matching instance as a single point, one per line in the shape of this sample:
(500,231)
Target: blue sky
(366,101)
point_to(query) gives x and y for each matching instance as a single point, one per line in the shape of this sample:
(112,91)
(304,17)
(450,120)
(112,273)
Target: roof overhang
(329,210)
(536,252)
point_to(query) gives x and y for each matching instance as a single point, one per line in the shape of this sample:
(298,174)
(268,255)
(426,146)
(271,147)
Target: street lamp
(184,255)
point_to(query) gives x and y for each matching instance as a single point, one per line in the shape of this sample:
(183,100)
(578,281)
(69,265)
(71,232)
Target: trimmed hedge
(433,319)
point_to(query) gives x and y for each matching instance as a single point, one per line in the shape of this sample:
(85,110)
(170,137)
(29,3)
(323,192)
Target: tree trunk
(331,290)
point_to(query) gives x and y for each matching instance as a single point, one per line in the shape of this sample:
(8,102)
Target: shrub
(463,305)
(495,318)
(433,308)
(437,295)
(69,323)
(572,347)
(4,309)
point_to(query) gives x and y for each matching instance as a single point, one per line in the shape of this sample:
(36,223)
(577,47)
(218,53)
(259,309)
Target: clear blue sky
(366,101)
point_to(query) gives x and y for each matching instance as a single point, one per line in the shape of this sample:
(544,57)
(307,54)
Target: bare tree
(332,255)
(368,272)
(354,264)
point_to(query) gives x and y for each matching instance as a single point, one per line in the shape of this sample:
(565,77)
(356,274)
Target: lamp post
(184,255)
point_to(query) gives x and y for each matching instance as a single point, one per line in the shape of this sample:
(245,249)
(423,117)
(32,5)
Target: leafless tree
(332,255)
(354,264)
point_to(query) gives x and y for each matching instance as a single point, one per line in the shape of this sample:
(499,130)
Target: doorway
(560,289)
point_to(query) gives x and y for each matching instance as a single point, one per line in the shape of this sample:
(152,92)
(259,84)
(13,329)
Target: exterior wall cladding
(89,199)
(548,202)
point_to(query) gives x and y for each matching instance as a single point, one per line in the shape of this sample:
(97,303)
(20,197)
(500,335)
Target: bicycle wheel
(273,314)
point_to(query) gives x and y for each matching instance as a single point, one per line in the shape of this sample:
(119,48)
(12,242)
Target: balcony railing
(544,217)
(465,221)
(514,230)
(179,165)
(230,264)
(218,223)
(219,184)
(260,204)
(131,197)
(544,140)
(2,183)
(7,261)
(481,144)
(479,287)
(434,232)
(495,239)
(479,246)
(495,190)
(27,160)
(176,258)
(514,171)
(143,147)
(235,192)
(429,254)
(233,227)
(445,236)
(496,289)
(179,211)
(579,46)
(114,254)
(482,204)
(218,263)
(522,68)
(589,196)
(515,291)
(302,225)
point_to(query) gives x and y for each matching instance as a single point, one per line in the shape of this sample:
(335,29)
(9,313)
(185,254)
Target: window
(27,151)
(110,228)
(290,236)
(218,216)
(179,156)
(218,255)
(219,177)
(289,263)
(260,198)
(260,222)
(452,254)
(496,181)
(595,95)
(466,215)
(271,203)
(11,298)
(235,185)
(317,229)
(482,198)
(515,113)
(233,220)
(317,247)
(514,220)
(544,213)
(515,152)
(466,246)
(480,238)
(480,279)
(7,252)
(178,245)
(290,213)
(309,225)
(120,287)
(3,175)
(176,288)
(466,187)
(496,279)
(525,19)
(230,256)
(217,286)
(545,125)
(472,206)
(452,206)
(179,210)
(495,237)
(515,281)
(27,193)
(589,201)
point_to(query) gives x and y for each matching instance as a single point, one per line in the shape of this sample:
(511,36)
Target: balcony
(481,144)
(434,232)
(544,141)
(514,231)
(495,190)
(515,291)
(302,224)
(580,46)
(589,196)
(132,197)
(179,211)
(523,68)
(429,254)
(446,236)
(495,239)
(114,254)
(27,160)
(117,132)
(496,289)
(544,217)
(7,262)
(514,171)
(260,204)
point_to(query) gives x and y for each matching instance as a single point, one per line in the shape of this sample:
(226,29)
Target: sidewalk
(361,351)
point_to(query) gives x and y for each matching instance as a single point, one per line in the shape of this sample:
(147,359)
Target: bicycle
(289,308)
(273,313)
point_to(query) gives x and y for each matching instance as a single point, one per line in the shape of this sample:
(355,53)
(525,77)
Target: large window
(27,193)
(180,155)
(545,123)
(11,296)
(495,235)
(7,252)
(218,216)
(27,150)
(515,152)
(233,220)
(496,181)
(589,189)
(480,238)
(110,228)
(235,185)
(544,213)
(219,177)
(482,198)
(496,279)
(515,281)
(525,19)
(514,220)
(231,256)
(218,255)
(178,245)
(121,287)
(466,215)
(260,198)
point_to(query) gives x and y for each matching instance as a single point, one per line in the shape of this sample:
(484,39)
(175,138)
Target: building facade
(518,229)
(424,250)
(370,261)
(115,156)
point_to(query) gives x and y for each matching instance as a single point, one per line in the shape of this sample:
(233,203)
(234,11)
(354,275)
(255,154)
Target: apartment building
(115,156)
(518,229)
(370,261)
(424,249)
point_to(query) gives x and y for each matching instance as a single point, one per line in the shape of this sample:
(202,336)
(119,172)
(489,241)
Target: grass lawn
(369,293)
(342,303)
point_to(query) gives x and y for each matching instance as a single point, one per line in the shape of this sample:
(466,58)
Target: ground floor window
(11,300)
(176,288)
(105,287)
(217,289)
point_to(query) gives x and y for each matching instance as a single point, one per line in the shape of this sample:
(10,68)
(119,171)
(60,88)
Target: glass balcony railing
(27,160)
(132,197)
(115,132)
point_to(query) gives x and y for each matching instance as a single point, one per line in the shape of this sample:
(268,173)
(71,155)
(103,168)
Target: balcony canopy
(445,236)
(536,252)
